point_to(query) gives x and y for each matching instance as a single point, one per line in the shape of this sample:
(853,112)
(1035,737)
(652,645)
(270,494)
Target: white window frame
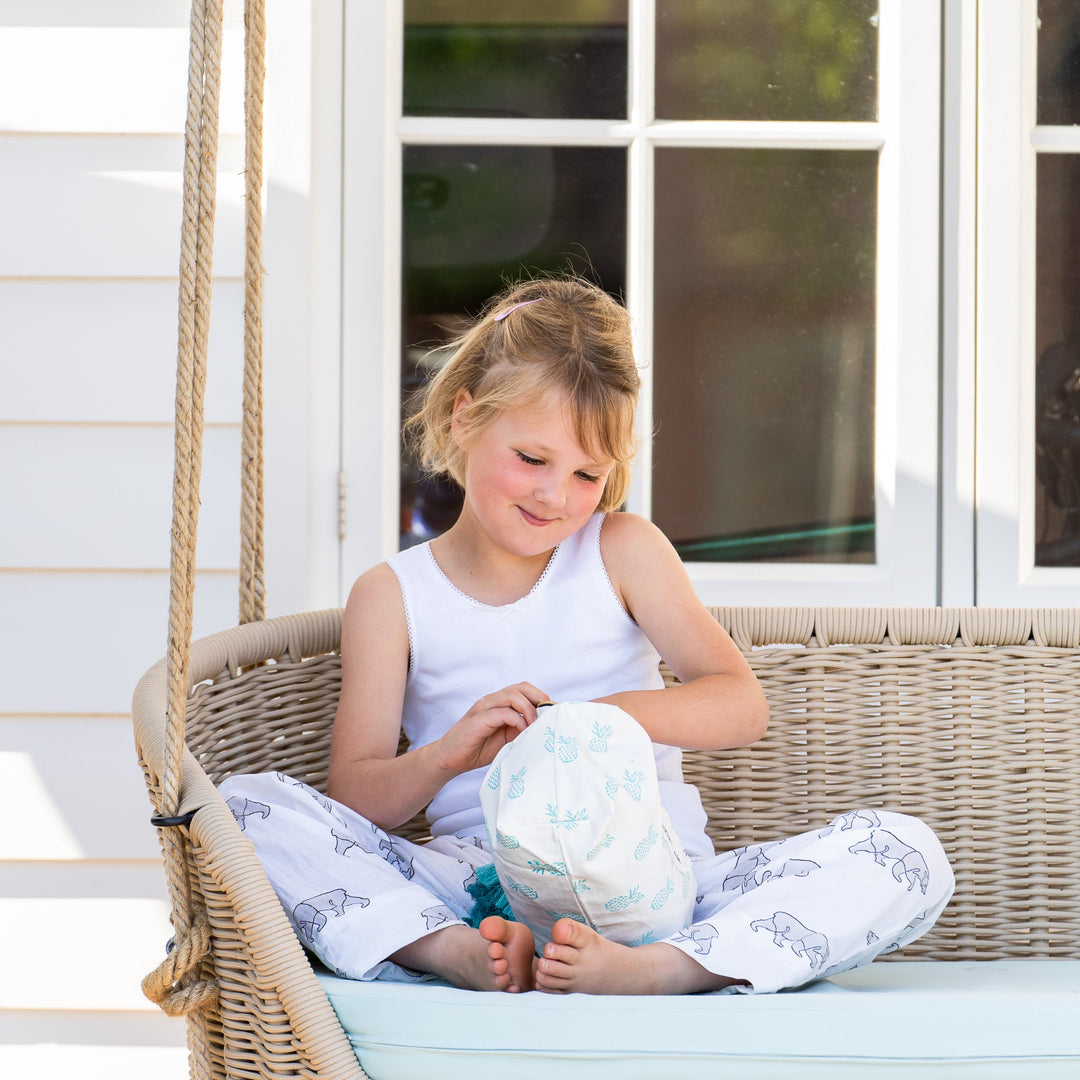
(907,429)
(958,279)
(1009,142)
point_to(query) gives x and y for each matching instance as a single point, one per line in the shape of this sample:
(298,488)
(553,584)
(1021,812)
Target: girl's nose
(551,493)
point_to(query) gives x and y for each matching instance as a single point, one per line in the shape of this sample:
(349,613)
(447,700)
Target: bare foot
(498,956)
(579,960)
(511,952)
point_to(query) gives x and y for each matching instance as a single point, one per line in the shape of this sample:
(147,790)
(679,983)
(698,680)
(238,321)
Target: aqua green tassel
(488,896)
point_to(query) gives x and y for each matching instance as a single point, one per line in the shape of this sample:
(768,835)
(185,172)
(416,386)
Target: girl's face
(528,482)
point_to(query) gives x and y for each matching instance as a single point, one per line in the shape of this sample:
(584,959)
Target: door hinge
(342,503)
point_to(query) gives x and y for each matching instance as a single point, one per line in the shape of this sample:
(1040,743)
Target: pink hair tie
(524,303)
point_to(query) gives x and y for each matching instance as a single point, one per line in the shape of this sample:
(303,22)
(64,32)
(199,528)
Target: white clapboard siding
(62,13)
(131,878)
(128,79)
(94,934)
(77,643)
(76,1009)
(92,102)
(108,206)
(55,772)
(100,496)
(131,1059)
(105,351)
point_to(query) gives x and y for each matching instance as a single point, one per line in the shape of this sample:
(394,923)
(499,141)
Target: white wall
(92,99)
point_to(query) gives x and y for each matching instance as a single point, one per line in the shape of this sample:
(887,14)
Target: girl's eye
(588,478)
(529,460)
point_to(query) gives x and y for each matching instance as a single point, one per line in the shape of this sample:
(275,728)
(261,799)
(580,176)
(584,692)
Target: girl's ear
(461,402)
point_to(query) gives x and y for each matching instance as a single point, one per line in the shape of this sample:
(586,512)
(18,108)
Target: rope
(164,985)
(183,984)
(180,984)
(252,587)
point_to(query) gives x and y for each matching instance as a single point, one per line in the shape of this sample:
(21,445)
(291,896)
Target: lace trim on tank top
(408,623)
(607,577)
(494,607)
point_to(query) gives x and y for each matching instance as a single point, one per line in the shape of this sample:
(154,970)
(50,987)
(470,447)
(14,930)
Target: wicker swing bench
(968,718)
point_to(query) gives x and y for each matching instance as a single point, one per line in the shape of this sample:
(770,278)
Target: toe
(559,954)
(495,929)
(571,933)
(550,984)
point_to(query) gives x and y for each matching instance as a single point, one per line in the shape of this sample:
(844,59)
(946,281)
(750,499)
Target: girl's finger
(520,719)
(535,696)
(504,716)
(526,706)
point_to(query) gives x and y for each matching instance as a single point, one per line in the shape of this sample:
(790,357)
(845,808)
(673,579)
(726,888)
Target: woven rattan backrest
(967,718)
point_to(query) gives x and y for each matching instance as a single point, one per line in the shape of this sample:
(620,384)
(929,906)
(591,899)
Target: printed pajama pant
(778,914)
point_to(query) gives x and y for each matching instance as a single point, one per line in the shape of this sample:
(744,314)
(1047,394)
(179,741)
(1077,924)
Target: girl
(538,592)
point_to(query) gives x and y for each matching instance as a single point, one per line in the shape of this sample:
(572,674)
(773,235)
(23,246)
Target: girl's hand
(487,727)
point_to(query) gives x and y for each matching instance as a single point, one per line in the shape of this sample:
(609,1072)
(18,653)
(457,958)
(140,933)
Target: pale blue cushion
(1002,1019)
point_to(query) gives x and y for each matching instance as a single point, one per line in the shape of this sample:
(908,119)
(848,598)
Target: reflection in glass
(475,218)
(767,60)
(1057,363)
(561,58)
(1058,95)
(764,353)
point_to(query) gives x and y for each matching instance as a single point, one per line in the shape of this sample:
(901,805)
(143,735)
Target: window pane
(1057,372)
(475,217)
(764,353)
(562,58)
(1059,62)
(766,59)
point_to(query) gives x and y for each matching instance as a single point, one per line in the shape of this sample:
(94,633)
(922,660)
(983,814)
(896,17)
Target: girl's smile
(532,519)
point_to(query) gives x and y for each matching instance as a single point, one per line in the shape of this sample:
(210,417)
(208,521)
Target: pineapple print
(507,841)
(568,750)
(605,843)
(632,782)
(648,938)
(646,845)
(564,745)
(611,787)
(537,866)
(575,915)
(568,820)
(621,903)
(661,898)
(580,885)
(517,784)
(687,881)
(522,890)
(598,744)
(493,778)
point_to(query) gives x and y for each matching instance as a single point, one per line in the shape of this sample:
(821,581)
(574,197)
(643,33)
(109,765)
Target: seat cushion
(1006,1018)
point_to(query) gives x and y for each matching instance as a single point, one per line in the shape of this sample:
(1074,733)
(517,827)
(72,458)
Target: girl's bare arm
(366,772)
(720,703)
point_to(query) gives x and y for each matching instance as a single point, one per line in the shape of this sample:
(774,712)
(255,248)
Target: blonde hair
(540,340)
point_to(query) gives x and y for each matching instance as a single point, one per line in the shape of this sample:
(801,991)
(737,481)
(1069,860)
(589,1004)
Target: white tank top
(570,636)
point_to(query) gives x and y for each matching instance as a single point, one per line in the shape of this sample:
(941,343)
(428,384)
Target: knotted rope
(177,984)
(183,983)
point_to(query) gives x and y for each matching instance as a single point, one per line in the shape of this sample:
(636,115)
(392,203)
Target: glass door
(1028,471)
(759,183)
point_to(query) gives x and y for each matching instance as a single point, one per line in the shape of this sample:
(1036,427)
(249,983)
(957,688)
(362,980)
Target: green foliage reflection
(766,60)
